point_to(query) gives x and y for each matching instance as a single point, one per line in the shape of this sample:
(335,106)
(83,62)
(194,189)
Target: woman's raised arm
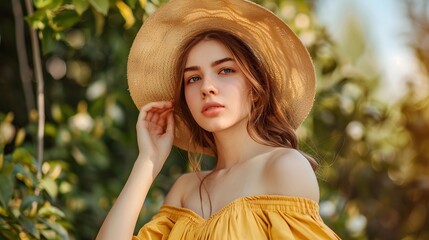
(155,134)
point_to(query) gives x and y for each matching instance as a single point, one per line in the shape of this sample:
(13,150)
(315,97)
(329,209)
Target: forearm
(121,219)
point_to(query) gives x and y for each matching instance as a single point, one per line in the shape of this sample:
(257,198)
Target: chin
(214,128)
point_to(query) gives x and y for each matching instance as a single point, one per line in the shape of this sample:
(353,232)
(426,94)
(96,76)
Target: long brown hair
(269,121)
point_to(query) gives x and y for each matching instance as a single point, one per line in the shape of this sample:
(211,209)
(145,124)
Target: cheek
(190,98)
(246,103)
(243,95)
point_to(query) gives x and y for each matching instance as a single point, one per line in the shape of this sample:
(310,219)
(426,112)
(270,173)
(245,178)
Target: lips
(211,108)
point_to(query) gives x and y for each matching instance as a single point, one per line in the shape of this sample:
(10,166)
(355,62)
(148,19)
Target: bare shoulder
(288,172)
(180,189)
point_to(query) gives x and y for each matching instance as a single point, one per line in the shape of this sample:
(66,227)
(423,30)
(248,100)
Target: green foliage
(53,18)
(25,202)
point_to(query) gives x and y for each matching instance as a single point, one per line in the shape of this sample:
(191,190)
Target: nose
(208,87)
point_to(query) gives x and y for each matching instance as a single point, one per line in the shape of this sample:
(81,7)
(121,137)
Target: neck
(234,145)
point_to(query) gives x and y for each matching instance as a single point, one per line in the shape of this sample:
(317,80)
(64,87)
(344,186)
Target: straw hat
(156,47)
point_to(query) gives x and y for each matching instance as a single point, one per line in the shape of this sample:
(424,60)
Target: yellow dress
(256,217)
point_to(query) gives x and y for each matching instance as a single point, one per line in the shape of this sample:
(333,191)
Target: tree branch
(25,72)
(40,91)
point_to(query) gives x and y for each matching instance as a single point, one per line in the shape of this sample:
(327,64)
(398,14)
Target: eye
(193,79)
(226,70)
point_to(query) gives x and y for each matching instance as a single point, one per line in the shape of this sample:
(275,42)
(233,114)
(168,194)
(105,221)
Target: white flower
(352,90)
(7,131)
(82,122)
(288,12)
(356,224)
(327,209)
(302,21)
(64,136)
(355,130)
(115,113)
(308,38)
(96,90)
(347,104)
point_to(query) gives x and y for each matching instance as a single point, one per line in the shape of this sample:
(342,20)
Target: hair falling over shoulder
(268,124)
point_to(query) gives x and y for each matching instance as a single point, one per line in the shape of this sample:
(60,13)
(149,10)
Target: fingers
(170,123)
(154,116)
(148,110)
(157,105)
(166,118)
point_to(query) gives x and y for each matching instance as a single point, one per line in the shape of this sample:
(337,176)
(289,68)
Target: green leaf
(24,175)
(48,210)
(29,226)
(143,3)
(50,186)
(48,41)
(1,161)
(81,6)
(57,228)
(42,3)
(101,6)
(48,4)
(36,21)
(6,185)
(7,234)
(49,234)
(51,129)
(64,20)
(7,164)
(40,17)
(28,201)
(131,3)
(54,5)
(21,155)
(99,23)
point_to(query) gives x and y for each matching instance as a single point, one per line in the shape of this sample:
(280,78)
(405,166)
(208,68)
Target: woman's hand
(155,133)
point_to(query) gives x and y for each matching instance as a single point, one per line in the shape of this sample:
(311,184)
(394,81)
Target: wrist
(145,163)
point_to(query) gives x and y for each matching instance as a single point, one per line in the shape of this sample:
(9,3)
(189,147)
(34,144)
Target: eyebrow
(215,63)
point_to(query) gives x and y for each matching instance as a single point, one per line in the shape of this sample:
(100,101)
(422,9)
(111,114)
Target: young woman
(230,79)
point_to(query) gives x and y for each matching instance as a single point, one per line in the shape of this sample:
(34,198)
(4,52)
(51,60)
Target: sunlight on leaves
(50,186)
(126,13)
(81,6)
(102,6)
(143,3)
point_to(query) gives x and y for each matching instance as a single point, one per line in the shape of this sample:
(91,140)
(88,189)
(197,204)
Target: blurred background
(64,160)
